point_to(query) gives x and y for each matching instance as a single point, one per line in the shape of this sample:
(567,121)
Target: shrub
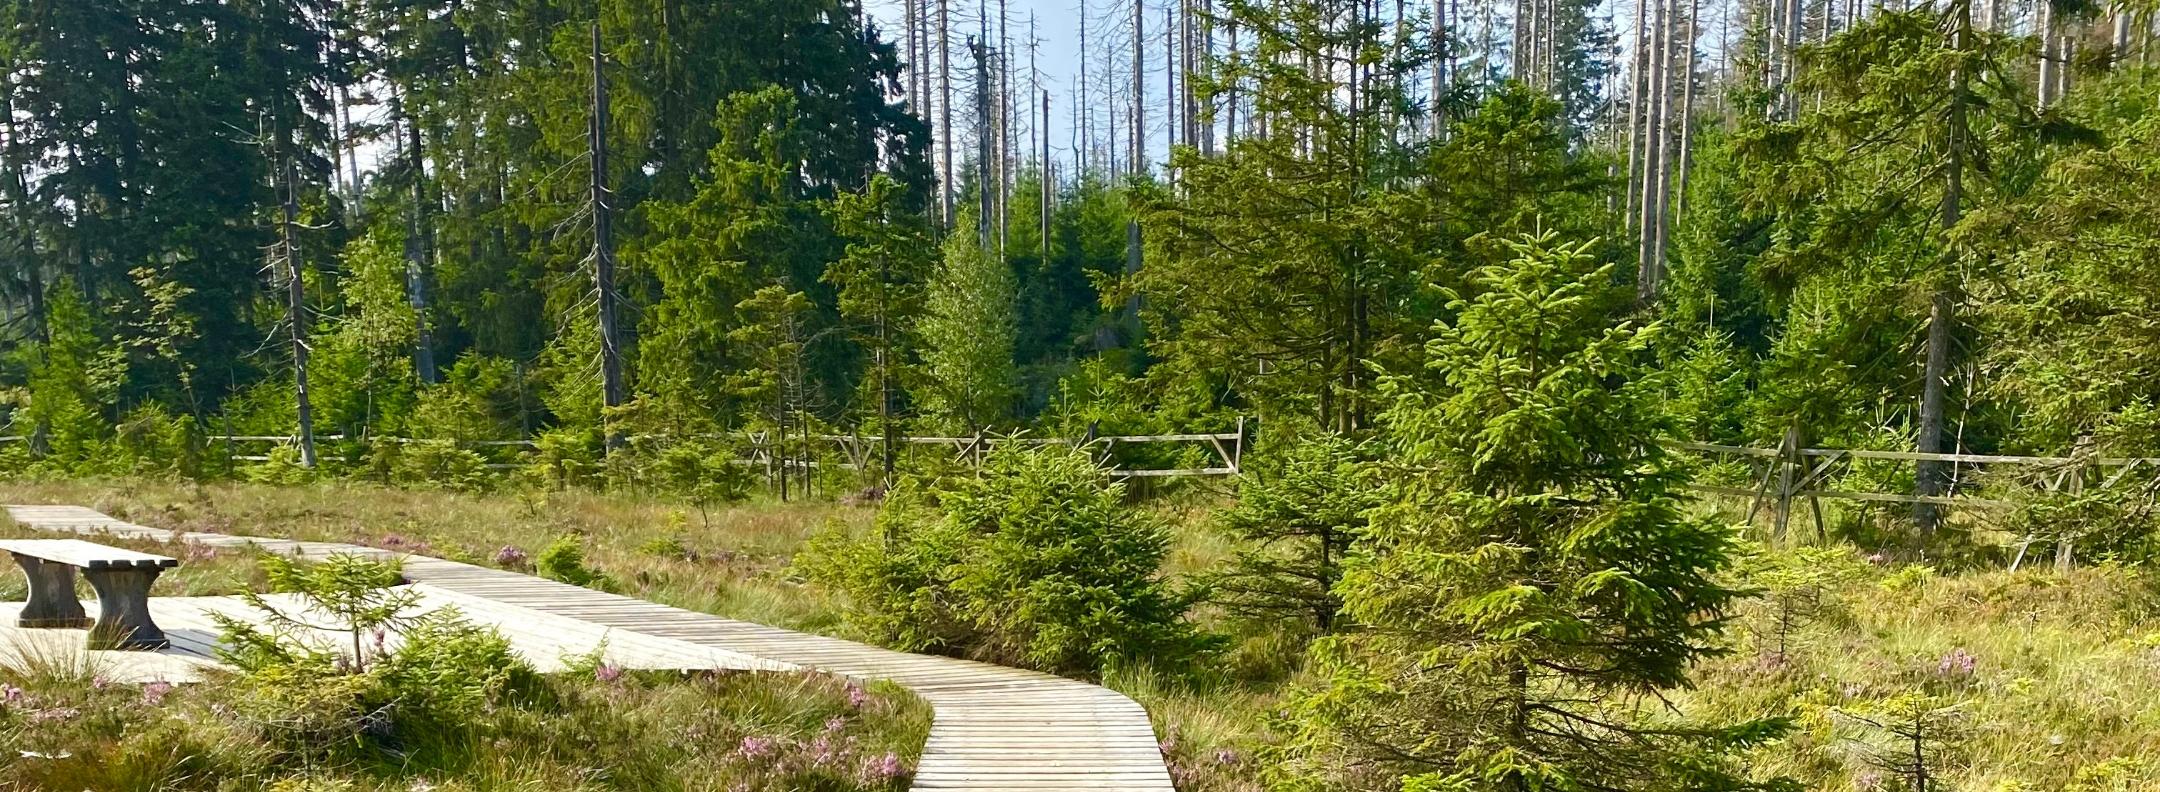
(448,669)
(566,458)
(152,441)
(282,467)
(564,560)
(1036,562)
(2100,525)
(439,463)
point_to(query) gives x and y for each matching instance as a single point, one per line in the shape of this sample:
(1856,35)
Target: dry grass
(2063,694)
(730,560)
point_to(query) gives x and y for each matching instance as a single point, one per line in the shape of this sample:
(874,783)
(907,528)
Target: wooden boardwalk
(995,728)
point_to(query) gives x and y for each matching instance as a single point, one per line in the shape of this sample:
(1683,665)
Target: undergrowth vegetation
(449,707)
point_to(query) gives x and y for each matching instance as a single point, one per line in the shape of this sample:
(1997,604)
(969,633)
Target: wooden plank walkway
(547,642)
(995,728)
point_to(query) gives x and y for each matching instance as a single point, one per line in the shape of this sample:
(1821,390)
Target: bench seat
(121,577)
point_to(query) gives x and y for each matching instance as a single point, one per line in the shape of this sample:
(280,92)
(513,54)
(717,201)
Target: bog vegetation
(450,707)
(1482,274)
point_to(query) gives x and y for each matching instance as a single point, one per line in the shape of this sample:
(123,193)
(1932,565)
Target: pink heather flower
(835,724)
(608,673)
(821,751)
(1226,756)
(153,694)
(1957,663)
(1877,558)
(99,682)
(54,714)
(510,556)
(10,694)
(757,747)
(200,552)
(1167,745)
(856,695)
(883,768)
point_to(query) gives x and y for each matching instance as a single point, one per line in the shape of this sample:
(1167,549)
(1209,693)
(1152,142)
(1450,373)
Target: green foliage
(967,335)
(1036,562)
(1709,385)
(1796,588)
(347,593)
(282,466)
(564,560)
(1910,737)
(2096,525)
(1298,510)
(438,464)
(448,670)
(1534,567)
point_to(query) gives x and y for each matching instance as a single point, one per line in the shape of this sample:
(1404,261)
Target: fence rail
(1223,452)
(1790,473)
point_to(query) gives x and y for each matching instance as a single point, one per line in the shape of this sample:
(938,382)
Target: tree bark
(296,317)
(944,126)
(1932,477)
(613,393)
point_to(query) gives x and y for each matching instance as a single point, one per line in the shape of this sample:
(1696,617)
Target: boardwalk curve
(994,728)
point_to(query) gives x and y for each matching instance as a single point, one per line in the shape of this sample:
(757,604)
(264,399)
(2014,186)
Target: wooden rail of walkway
(995,728)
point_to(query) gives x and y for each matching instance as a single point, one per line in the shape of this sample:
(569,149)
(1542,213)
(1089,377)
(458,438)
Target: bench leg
(52,596)
(124,609)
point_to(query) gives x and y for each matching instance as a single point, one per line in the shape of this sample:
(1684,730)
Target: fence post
(2081,457)
(1788,458)
(1237,449)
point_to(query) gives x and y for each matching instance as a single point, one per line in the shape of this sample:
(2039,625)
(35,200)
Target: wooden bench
(122,579)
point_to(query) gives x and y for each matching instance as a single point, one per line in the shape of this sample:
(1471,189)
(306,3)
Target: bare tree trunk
(613,393)
(913,64)
(1647,266)
(1673,166)
(1138,139)
(20,231)
(944,125)
(296,316)
(2046,30)
(1932,477)
(419,243)
(1638,111)
(1082,110)
(1173,119)
(1687,112)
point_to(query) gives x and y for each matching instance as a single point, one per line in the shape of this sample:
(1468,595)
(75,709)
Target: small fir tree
(1534,575)
(1298,512)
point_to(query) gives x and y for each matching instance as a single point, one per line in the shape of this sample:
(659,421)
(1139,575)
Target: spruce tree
(1534,581)
(967,335)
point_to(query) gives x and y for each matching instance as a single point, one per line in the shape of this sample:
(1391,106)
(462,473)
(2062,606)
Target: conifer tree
(967,334)
(1535,574)
(881,278)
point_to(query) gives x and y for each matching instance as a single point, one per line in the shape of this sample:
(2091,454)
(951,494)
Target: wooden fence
(1788,474)
(1221,453)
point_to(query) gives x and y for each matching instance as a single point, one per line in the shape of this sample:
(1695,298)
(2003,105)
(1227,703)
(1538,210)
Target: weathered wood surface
(995,728)
(86,555)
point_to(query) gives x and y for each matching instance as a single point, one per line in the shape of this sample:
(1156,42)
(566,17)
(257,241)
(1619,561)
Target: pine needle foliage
(1534,582)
